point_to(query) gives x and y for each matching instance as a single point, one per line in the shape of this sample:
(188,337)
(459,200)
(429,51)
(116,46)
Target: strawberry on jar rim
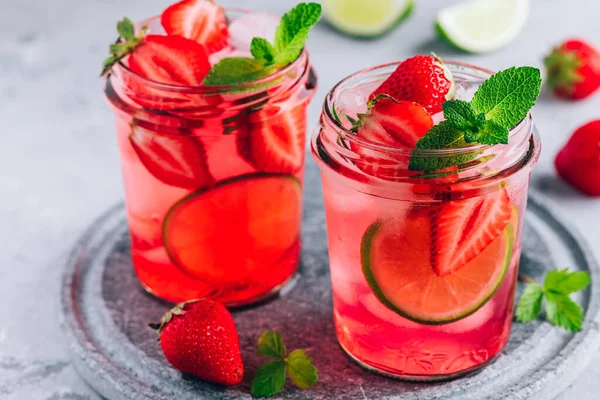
(200,338)
(200,20)
(578,162)
(421,79)
(573,69)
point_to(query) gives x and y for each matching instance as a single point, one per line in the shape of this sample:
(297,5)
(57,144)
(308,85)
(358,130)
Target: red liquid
(205,220)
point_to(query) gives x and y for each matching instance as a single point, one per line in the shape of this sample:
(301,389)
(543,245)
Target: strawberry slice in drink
(228,233)
(200,20)
(274,139)
(461,229)
(397,124)
(396,261)
(172,60)
(174,159)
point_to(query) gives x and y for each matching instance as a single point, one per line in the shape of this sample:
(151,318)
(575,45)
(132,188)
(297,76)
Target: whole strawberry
(578,162)
(573,69)
(199,338)
(420,79)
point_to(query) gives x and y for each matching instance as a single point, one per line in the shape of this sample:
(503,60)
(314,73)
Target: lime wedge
(366,19)
(481,26)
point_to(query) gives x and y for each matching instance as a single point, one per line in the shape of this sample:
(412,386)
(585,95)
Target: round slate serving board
(105,313)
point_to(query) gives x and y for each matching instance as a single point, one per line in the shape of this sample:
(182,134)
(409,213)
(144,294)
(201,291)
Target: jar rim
(352,137)
(250,86)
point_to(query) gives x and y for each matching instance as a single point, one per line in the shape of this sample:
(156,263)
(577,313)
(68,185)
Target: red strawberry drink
(424,223)
(212,139)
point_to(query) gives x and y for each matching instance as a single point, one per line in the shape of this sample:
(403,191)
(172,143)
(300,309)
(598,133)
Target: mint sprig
(498,105)
(554,294)
(127,44)
(270,377)
(290,36)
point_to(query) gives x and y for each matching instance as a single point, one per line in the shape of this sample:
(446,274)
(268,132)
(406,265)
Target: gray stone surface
(59,167)
(106,313)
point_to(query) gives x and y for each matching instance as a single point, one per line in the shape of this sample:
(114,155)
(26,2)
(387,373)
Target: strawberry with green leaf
(573,69)
(271,376)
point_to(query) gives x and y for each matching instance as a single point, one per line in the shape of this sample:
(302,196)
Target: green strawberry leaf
(565,282)
(126,29)
(563,312)
(269,379)
(507,97)
(301,370)
(236,70)
(292,31)
(128,42)
(261,49)
(441,136)
(530,303)
(270,344)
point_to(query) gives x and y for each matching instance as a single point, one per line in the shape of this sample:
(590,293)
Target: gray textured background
(59,165)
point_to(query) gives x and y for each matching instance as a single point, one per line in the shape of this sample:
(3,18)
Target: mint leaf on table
(507,97)
(499,104)
(560,309)
(290,36)
(270,344)
(270,377)
(301,370)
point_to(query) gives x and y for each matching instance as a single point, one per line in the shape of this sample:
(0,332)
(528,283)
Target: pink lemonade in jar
(212,174)
(423,266)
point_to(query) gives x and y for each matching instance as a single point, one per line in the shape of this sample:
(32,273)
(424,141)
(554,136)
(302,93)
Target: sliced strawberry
(395,124)
(461,229)
(177,160)
(172,60)
(275,138)
(199,20)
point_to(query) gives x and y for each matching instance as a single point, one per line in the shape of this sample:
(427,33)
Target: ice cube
(243,29)
(351,102)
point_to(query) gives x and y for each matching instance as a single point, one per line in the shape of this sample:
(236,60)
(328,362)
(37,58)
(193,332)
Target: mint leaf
(261,49)
(462,116)
(507,96)
(301,370)
(126,29)
(292,31)
(563,312)
(270,344)
(530,303)
(441,136)
(565,282)
(491,134)
(235,70)
(269,379)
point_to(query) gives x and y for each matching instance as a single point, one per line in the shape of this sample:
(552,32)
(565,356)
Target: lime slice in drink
(364,18)
(241,226)
(481,26)
(396,263)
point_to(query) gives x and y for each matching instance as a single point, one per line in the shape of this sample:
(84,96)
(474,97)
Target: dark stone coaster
(105,314)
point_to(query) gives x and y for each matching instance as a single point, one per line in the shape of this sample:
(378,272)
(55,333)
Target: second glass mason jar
(213,180)
(392,313)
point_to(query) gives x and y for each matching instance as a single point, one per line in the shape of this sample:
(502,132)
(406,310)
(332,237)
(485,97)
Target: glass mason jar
(393,313)
(213,180)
